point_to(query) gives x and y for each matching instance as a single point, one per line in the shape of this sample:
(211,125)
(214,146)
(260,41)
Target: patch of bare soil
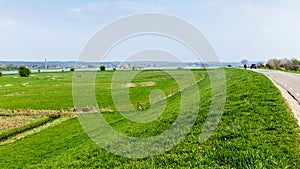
(35,112)
(143,84)
(35,130)
(106,110)
(9,122)
(25,84)
(13,94)
(147,83)
(92,110)
(129,85)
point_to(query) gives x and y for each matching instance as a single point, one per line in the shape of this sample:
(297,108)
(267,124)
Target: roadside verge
(290,99)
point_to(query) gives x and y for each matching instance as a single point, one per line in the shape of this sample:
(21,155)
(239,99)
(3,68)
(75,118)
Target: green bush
(0,74)
(260,65)
(24,71)
(102,68)
(72,69)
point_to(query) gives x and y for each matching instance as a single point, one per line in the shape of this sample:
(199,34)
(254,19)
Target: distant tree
(114,69)
(204,65)
(72,69)
(260,65)
(272,63)
(294,64)
(24,71)
(102,68)
(11,67)
(284,63)
(229,65)
(0,74)
(2,67)
(295,61)
(244,61)
(8,67)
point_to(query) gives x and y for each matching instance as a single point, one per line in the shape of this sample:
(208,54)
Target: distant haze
(255,30)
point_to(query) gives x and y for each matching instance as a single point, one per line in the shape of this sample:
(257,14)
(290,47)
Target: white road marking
(297,94)
(291,88)
(285,84)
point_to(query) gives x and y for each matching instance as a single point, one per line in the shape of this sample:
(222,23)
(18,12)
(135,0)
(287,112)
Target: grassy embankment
(257,129)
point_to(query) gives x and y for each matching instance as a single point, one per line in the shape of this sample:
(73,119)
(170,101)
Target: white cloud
(76,10)
(275,21)
(254,29)
(8,23)
(123,6)
(276,15)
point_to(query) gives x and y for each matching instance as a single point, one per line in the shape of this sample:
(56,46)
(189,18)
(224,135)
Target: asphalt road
(289,81)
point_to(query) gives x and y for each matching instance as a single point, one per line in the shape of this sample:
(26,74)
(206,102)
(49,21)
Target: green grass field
(257,129)
(39,91)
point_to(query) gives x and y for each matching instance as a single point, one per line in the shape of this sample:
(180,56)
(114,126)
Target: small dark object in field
(54,116)
(253,66)
(102,68)
(139,106)
(86,110)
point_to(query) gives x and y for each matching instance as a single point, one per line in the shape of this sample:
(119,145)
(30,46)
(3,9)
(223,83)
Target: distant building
(45,64)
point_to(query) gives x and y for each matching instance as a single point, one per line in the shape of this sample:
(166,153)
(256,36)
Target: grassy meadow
(257,129)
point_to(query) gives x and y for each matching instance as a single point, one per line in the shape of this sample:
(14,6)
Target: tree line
(4,67)
(287,64)
(25,72)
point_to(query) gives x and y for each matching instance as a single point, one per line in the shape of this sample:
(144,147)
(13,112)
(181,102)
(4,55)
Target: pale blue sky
(239,29)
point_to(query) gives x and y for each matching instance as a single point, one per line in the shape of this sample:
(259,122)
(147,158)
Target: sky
(255,30)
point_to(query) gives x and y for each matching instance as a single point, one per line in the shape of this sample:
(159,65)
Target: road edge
(289,99)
